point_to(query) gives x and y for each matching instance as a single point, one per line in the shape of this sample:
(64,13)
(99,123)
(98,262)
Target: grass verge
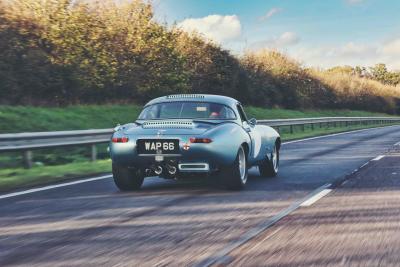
(33,119)
(12,179)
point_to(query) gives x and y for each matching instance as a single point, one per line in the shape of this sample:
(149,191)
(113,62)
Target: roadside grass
(15,119)
(16,178)
(277,113)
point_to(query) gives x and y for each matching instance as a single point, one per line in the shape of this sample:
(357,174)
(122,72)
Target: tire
(235,176)
(270,167)
(127,179)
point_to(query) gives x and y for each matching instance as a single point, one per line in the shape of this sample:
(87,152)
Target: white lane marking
(335,134)
(397,144)
(315,198)
(378,158)
(365,164)
(29,191)
(220,256)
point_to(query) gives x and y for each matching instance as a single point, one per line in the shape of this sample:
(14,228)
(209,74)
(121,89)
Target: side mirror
(253,122)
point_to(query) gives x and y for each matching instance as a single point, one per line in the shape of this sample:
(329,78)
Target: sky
(318,33)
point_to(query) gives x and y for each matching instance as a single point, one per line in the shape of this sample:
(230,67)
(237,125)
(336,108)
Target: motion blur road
(177,223)
(356,225)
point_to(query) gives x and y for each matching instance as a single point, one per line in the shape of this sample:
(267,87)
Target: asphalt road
(357,224)
(171,223)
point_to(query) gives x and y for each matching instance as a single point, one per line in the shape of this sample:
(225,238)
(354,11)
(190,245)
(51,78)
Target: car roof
(229,101)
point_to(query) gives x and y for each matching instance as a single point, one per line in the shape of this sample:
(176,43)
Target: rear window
(187,110)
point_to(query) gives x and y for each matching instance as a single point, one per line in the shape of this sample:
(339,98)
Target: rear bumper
(213,155)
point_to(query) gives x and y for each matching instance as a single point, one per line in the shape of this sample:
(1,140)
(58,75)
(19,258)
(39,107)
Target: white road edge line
(221,255)
(378,158)
(110,176)
(29,191)
(365,164)
(315,198)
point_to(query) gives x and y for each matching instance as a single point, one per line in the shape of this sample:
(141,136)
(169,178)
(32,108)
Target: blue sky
(320,33)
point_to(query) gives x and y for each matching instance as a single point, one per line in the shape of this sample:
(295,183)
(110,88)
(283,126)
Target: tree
(380,73)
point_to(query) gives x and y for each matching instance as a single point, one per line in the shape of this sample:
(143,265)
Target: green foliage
(15,178)
(65,52)
(33,119)
(274,79)
(380,73)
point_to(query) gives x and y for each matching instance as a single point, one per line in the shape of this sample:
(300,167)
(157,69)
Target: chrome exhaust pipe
(171,169)
(158,170)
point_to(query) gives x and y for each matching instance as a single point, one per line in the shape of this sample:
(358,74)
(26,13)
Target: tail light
(120,139)
(200,140)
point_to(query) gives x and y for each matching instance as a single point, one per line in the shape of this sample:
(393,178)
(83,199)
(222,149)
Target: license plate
(158,146)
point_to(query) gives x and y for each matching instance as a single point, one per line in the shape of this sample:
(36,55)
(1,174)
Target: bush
(63,52)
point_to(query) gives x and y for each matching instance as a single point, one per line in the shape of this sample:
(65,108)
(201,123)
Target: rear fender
(269,138)
(227,139)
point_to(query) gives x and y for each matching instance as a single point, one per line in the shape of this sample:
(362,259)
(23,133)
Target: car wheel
(270,167)
(127,179)
(235,176)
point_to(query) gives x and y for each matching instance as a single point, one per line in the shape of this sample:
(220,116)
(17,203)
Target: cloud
(216,27)
(392,47)
(350,53)
(270,13)
(284,40)
(353,49)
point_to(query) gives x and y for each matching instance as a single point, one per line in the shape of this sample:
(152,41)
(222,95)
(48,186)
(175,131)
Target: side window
(242,115)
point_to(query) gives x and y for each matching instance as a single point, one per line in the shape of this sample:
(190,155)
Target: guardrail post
(312,126)
(291,129)
(94,152)
(27,157)
(302,127)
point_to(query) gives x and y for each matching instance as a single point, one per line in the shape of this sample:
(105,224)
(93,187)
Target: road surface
(173,223)
(355,225)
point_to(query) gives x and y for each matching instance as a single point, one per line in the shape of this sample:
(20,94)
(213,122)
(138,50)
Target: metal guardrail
(288,122)
(27,142)
(329,121)
(36,140)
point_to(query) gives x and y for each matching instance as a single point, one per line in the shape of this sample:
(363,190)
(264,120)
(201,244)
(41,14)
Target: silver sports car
(180,135)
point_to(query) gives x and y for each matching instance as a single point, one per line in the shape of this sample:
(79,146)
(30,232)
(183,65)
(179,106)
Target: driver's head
(215,111)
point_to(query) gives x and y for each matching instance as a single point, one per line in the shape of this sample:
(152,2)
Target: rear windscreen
(187,110)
